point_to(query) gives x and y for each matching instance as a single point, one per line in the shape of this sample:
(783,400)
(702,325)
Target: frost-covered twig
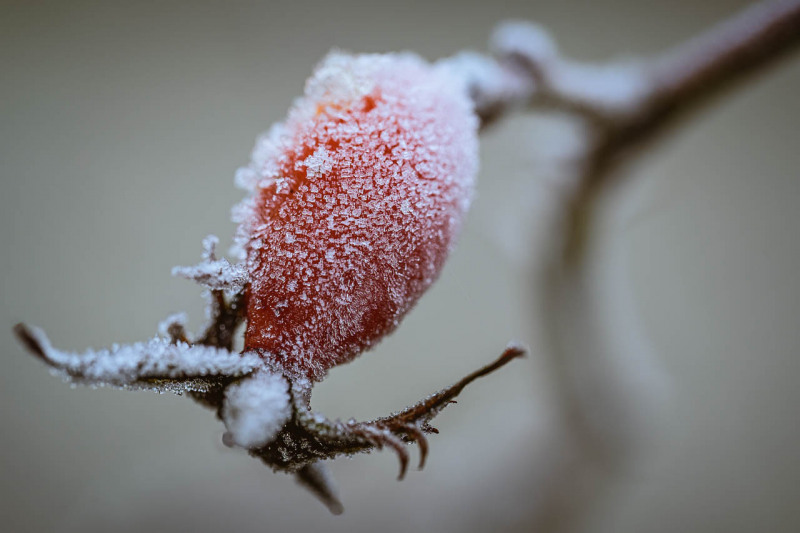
(635,95)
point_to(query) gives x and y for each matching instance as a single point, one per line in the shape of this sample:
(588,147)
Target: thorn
(317,478)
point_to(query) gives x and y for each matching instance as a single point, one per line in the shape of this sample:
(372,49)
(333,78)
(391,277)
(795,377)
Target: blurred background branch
(609,389)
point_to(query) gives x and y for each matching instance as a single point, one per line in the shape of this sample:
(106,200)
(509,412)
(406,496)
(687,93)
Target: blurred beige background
(121,125)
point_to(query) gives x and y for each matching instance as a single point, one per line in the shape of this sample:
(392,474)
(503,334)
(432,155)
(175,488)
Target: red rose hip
(356,201)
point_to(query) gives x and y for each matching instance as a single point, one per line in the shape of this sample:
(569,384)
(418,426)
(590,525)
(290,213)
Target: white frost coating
(136,365)
(489,84)
(611,86)
(526,39)
(256,409)
(213,273)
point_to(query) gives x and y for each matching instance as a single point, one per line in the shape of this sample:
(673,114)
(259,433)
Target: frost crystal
(256,409)
(356,201)
(213,273)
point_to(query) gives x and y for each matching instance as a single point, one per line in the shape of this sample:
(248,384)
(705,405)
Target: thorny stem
(636,103)
(703,67)
(646,94)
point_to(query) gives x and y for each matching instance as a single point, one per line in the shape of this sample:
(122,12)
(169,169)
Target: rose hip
(356,201)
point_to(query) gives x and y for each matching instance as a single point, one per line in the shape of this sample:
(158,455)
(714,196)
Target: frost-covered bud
(356,201)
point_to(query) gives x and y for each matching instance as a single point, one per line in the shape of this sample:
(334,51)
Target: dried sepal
(158,364)
(308,437)
(262,411)
(213,273)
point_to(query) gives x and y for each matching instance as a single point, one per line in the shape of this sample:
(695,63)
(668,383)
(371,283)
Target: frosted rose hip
(356,200)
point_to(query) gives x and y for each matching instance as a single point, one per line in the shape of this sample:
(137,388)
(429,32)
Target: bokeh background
(121,125)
